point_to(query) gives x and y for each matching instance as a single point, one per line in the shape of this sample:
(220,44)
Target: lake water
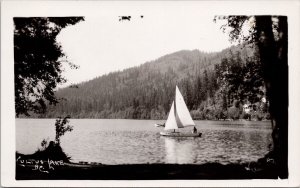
(138,141)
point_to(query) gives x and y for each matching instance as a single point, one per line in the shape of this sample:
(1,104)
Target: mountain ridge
(158,61)
(144,91)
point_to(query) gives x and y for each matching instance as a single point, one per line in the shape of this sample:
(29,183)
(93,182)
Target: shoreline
(51,164)
(221,120)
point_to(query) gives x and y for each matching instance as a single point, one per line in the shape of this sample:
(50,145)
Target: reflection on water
(180,150)
(138,141)
(226,146)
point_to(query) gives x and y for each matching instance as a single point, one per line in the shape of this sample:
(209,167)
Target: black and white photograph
(162,90)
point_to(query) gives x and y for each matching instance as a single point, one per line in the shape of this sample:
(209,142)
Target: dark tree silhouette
(38,61)
(270,34)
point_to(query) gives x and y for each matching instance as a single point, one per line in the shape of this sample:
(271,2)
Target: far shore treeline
(214,85)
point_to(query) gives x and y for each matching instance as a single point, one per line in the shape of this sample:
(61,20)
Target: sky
(102,44)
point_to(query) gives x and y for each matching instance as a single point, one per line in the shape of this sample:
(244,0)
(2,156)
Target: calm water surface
(138,141)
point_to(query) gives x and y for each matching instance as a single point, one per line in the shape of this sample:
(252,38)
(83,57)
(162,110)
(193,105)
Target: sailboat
(179,117)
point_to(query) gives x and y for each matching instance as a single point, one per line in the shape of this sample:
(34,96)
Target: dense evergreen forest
(214,86)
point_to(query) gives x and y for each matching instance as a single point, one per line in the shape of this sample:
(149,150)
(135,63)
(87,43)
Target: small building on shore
(247,108)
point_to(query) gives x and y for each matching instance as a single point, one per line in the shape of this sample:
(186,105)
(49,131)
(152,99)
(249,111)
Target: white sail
(171,121)
(182,111)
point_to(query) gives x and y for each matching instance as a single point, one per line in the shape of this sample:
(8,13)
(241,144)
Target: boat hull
(179,134)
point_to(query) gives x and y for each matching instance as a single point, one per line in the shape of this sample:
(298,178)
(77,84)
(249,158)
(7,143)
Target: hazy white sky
(102,44)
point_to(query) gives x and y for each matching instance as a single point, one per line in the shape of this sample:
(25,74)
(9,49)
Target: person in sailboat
(194,130)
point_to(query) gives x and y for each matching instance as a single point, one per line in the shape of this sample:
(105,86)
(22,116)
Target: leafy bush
(233,112)
(61,127)
(53,151)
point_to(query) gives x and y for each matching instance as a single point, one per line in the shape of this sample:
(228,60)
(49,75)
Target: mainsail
(179,115)
(182,111)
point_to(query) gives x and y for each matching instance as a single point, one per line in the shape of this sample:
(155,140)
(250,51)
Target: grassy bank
(74,171)
(146,172)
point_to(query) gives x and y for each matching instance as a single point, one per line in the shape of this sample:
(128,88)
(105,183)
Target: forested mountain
(208,82)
